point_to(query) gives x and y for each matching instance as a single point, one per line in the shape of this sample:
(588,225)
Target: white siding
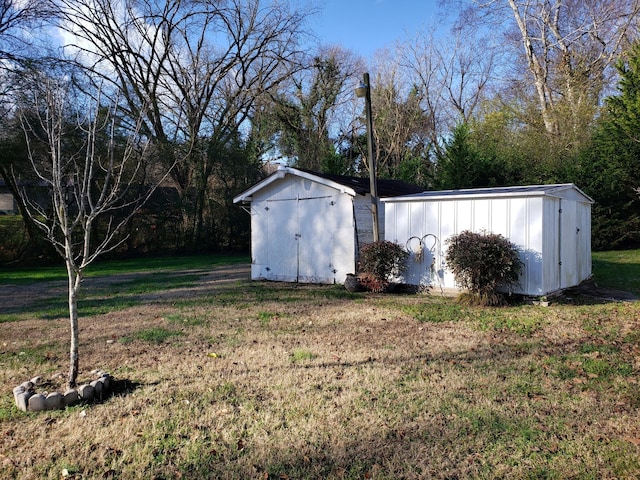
(533,223)
(302,231)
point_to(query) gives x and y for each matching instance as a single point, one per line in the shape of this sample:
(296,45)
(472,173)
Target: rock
(22,400)
(70,397)
(36,380)
(54,401)
(17,391)
(86,392)
(352,284)
(27,385)
(37,403)
(106,380)
(98,387)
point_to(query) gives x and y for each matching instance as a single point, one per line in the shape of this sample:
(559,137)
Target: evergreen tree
(609,170)
(462,165)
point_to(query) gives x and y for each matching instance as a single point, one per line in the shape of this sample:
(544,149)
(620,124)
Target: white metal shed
(550,225)
(307,226)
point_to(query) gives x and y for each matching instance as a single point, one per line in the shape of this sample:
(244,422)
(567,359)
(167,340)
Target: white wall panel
(532,223)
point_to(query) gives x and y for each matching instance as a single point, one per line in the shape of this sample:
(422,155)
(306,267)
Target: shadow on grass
(121,388)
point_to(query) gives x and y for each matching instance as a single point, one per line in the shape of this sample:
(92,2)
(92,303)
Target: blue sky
(365,26)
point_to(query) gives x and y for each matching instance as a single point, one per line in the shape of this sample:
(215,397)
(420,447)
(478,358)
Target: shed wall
(7,203)
(423,227)
(545,236)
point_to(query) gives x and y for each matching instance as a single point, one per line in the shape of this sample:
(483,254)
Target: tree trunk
(74,284)
(538,70)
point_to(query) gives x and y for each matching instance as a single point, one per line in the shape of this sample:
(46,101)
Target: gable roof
(558,190)
(350,185)
(362,185)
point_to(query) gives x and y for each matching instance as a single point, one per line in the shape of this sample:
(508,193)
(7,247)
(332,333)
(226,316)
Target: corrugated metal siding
(551,258)
(533,224)
(364,219)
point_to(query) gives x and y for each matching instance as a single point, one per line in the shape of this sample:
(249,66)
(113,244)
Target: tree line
(511,92)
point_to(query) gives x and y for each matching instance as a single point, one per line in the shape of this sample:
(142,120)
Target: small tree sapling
(92,169)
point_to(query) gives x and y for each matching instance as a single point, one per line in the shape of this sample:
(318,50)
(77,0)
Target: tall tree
(17,18)
(19,50)
(452,74)
(304,119)
(609,169)
(624,108)
(402,129)
(568,48)
(463,165)
(199,66)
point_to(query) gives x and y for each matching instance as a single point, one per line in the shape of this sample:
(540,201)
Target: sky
(365,26)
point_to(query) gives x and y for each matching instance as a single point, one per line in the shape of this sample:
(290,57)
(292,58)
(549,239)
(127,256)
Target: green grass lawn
(618,269)
(275,380)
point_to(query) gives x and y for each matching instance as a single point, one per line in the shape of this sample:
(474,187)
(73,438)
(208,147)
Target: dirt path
(16,297)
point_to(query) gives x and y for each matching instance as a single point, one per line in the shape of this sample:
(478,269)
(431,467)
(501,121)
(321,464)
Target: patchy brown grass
(239,379)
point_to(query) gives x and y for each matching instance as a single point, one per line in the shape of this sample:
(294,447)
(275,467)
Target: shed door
(568,247)
(300,245)
(282,245)
(575,243)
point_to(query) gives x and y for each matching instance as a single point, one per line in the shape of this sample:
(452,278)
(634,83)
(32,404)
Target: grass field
(220,377)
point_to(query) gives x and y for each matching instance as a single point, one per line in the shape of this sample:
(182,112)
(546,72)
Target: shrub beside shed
(549,224)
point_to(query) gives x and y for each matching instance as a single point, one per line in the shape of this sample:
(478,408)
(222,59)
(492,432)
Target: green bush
(482,263)
(379,262)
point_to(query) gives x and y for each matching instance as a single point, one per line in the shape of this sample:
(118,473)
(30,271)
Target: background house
(550,225)
(308,227)
(7,202)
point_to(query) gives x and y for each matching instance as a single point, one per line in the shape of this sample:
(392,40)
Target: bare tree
(304,119)
(423,89)
(451,73)
(401,126)
(92,182)
(199,66)
(568,45)
(16,17)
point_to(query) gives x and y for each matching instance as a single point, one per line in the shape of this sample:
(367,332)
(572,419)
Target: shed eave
(281,173)
(465,196)
(247,195)
(499,192)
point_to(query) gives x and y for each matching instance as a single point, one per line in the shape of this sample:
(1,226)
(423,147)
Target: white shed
(308,227)
(550,225)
